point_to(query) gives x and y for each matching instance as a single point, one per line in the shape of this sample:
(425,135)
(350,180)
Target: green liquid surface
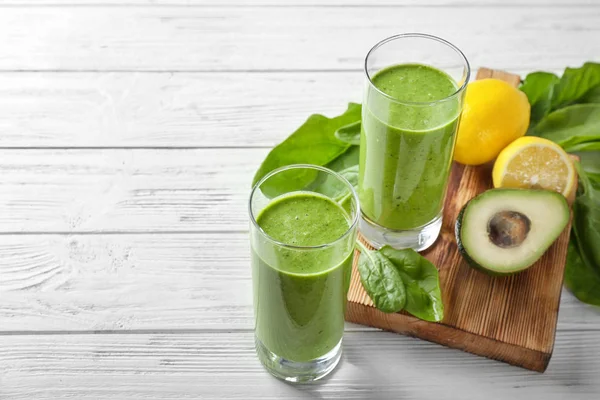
(300,294)
(406,148)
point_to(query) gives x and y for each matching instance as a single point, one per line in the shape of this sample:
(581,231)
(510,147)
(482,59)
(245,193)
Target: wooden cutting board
(512,319)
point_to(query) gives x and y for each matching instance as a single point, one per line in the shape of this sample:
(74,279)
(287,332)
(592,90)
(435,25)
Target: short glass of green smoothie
(413,98)
(303,224)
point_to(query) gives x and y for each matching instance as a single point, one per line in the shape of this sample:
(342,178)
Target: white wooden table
(129,134)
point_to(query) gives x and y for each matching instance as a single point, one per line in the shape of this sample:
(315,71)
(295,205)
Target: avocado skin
(465,255)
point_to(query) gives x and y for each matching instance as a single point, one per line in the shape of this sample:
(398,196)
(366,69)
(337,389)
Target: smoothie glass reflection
(302,233)
(413,98)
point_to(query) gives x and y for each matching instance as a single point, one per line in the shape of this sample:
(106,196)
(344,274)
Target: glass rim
(353,193)
(421,36)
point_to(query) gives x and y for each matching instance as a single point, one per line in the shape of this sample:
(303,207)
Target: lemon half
(536,163)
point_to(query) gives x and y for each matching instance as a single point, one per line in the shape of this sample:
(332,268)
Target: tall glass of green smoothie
(413,98)
(303,228)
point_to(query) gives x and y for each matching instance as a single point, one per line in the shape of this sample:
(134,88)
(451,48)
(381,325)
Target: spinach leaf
(401,279)
(575,83)
(586,146)
(347,166)
(582,272)
(349,134)
(575,128)
(421,279)
(332,187)
(381,280)
(351,175)
(586,221)
(580,278)
(590,163)
(313,143)
(592,96)
(345,160)
(539,87)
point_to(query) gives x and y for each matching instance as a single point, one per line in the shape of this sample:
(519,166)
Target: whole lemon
(494,114)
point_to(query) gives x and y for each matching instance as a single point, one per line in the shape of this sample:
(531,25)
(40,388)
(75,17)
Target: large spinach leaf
(422,283)
(590,163)
(547,93)
(586,221)
(347,166)
(333,187)
(313,143)
(539,87)
(582,279)
(575,83)
(585,146)
(575,128)
(381,281)
(593,96)
(345,160)
(351,175)
(350,133)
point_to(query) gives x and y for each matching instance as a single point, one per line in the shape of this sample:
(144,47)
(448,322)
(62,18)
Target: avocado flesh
(547,212)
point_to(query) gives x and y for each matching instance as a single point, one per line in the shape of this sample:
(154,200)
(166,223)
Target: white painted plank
(124,282)
(288,38)
(166,109)
(126,190)
(146,282)
(376,365)
(107,109)
(324,3)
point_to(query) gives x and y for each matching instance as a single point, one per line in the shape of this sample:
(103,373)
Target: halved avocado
(505,231)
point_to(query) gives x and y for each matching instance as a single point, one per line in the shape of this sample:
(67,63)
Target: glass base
(293,371)
(418,239)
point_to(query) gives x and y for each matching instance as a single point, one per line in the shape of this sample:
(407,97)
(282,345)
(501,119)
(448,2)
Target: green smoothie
(300,294)
(406,145)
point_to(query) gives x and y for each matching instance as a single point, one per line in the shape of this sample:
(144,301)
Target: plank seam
(217,330)
(124,232)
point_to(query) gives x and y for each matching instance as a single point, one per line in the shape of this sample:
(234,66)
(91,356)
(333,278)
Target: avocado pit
(508,229)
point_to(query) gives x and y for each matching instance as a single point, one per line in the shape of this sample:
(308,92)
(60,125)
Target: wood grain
(376,365)
(133,109)
(281,38)
(124,282)
(126,190)
(512,319)
(487,73)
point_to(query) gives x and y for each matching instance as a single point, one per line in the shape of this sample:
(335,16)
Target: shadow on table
(358,376)
(381,366)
